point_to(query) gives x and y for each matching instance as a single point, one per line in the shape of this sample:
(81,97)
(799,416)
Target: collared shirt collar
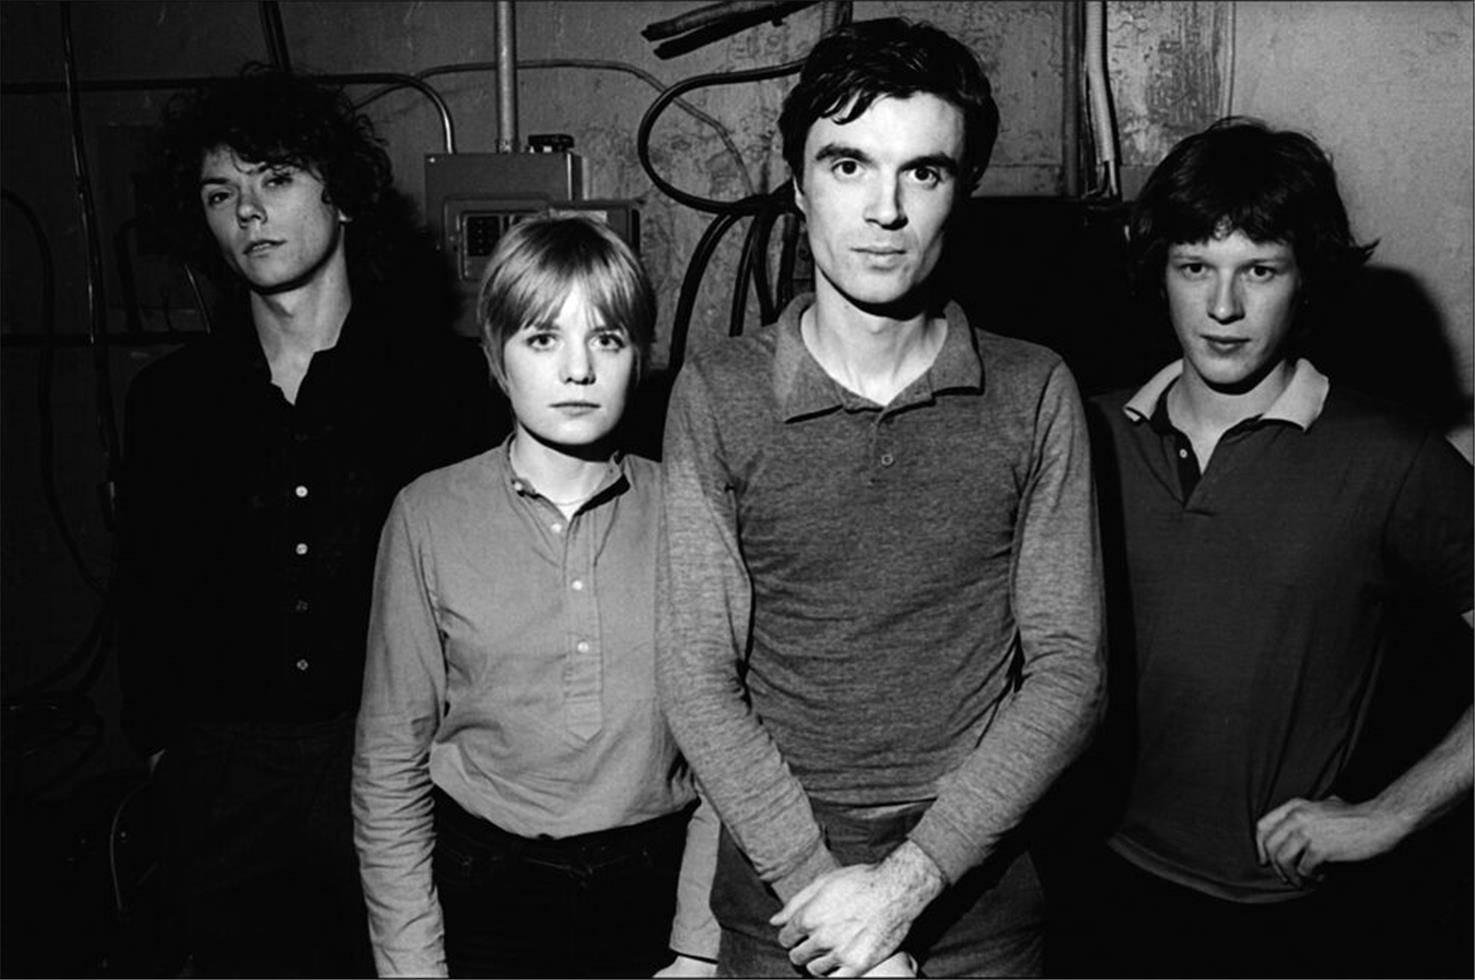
(616,478)
(802,388)
(1299,404)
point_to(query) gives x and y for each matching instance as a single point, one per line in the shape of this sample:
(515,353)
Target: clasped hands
(852,920)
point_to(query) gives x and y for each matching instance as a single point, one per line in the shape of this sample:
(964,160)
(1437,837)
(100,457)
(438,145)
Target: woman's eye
(609,340)
(541,340)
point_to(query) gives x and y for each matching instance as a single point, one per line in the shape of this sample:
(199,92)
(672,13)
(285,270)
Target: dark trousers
(594,905)
(988,924)
(259,872)
(1119,921)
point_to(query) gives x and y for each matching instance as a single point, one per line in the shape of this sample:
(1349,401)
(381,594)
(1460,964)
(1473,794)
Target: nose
(1227,303)
(248,206)
(884,206)
(578,365)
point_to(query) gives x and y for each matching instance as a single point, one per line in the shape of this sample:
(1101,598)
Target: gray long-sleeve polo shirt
(876,605)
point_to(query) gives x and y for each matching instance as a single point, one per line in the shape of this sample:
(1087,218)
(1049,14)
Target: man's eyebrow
(842,151)
(937,161)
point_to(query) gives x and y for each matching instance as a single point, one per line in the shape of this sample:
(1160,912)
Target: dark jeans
(989,924)
(259,871)
(594,905)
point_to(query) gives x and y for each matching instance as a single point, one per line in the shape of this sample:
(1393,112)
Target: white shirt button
(582,646)
(577,585)
(301,548)
(556,527)
(301,491)
(887,459)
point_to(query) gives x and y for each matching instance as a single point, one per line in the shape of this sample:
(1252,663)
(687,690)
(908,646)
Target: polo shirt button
(582,646)
(302,664)
(577,585)
(556,527)
(887,459)
(301,548)
(1182,454)
(301,491)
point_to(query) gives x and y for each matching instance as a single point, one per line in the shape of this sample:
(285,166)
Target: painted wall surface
(1386,86)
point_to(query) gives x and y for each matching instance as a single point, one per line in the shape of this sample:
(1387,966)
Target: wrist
(917,876)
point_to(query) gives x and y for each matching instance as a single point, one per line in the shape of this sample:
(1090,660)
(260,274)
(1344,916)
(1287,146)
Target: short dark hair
(855,64)
(265,115)
(535,264)
(1241,175)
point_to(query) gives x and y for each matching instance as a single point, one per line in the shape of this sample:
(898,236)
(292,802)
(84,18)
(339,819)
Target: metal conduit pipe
(506,78)
(164,84)
(1101,118)
(1070,109)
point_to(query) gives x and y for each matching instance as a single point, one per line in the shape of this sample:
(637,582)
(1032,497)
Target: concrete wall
(1386,86)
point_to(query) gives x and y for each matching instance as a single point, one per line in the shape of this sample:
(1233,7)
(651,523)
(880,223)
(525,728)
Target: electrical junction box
(471,199)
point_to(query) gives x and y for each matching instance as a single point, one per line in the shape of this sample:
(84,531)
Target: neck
(564,479)
(1194,403)
(298,322)
(873,352)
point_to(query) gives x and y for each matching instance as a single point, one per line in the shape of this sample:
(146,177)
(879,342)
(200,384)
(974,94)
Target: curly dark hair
(1241,175)
(265,115)
(857,63)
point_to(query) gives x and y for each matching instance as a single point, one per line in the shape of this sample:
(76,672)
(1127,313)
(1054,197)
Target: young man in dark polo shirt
(1264,521)
(880,611)
(260,463)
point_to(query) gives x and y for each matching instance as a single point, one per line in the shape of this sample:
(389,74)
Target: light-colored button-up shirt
(510,663)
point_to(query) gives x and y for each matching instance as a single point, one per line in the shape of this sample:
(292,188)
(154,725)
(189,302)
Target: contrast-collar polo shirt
(1259,593)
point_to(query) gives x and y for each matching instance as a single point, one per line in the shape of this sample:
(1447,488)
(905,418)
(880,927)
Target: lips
(261,245)
(1225,344)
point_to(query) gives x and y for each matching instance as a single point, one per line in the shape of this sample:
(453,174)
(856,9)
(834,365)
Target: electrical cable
(46,376)
(589,63)
(691,283)
(96,307)
(747,205)
(788,260)
(753,264)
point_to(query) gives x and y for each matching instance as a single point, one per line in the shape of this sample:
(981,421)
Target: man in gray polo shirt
(880,608)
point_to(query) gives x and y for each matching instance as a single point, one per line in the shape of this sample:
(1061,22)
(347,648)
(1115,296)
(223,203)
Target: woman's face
(568,378)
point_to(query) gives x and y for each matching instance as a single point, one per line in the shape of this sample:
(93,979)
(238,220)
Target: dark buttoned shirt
(250,523)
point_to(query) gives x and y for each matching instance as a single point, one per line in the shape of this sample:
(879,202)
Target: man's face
(568,379)
(1232,303)
(272,223)
(876,194)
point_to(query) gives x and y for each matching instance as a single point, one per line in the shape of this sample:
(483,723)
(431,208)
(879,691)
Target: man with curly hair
(260,461)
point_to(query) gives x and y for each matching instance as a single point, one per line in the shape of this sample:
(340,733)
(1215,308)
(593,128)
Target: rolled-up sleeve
(404,689)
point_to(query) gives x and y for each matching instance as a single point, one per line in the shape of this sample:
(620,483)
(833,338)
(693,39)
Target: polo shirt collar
(802,388)
(1300,403)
